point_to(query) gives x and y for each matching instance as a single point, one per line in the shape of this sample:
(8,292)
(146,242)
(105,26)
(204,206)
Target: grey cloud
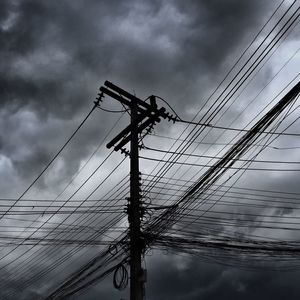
(172,277)
(208,281)
(55,54)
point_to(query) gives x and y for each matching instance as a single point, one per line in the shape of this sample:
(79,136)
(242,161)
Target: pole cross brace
(148,114)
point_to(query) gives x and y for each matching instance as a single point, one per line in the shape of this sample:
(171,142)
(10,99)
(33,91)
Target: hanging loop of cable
(120,279)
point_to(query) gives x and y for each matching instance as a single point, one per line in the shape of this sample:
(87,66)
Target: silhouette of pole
(136,283)
(143,117)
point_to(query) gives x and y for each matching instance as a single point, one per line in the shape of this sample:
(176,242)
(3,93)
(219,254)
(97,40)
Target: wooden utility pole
(134,213)
(143,115)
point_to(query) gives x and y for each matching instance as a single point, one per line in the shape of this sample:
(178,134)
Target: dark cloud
(195,280)
(55,55)
(52,46)
(178,278)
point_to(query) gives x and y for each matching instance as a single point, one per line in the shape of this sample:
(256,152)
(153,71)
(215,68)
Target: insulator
(124,151)
(153,101)
(99,98)
(174,118)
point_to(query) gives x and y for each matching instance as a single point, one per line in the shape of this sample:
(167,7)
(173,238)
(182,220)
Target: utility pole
(134,213)
(143,116)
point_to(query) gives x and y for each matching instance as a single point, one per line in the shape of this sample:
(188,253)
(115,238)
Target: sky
(54,57)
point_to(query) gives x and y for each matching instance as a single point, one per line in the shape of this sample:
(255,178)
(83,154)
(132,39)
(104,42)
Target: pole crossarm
(147,114)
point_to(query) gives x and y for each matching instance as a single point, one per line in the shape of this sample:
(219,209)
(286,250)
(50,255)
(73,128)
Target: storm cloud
(54,57)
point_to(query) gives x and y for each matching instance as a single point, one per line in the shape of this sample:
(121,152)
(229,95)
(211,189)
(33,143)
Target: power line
(209,166)
(218,157)
(237,129)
